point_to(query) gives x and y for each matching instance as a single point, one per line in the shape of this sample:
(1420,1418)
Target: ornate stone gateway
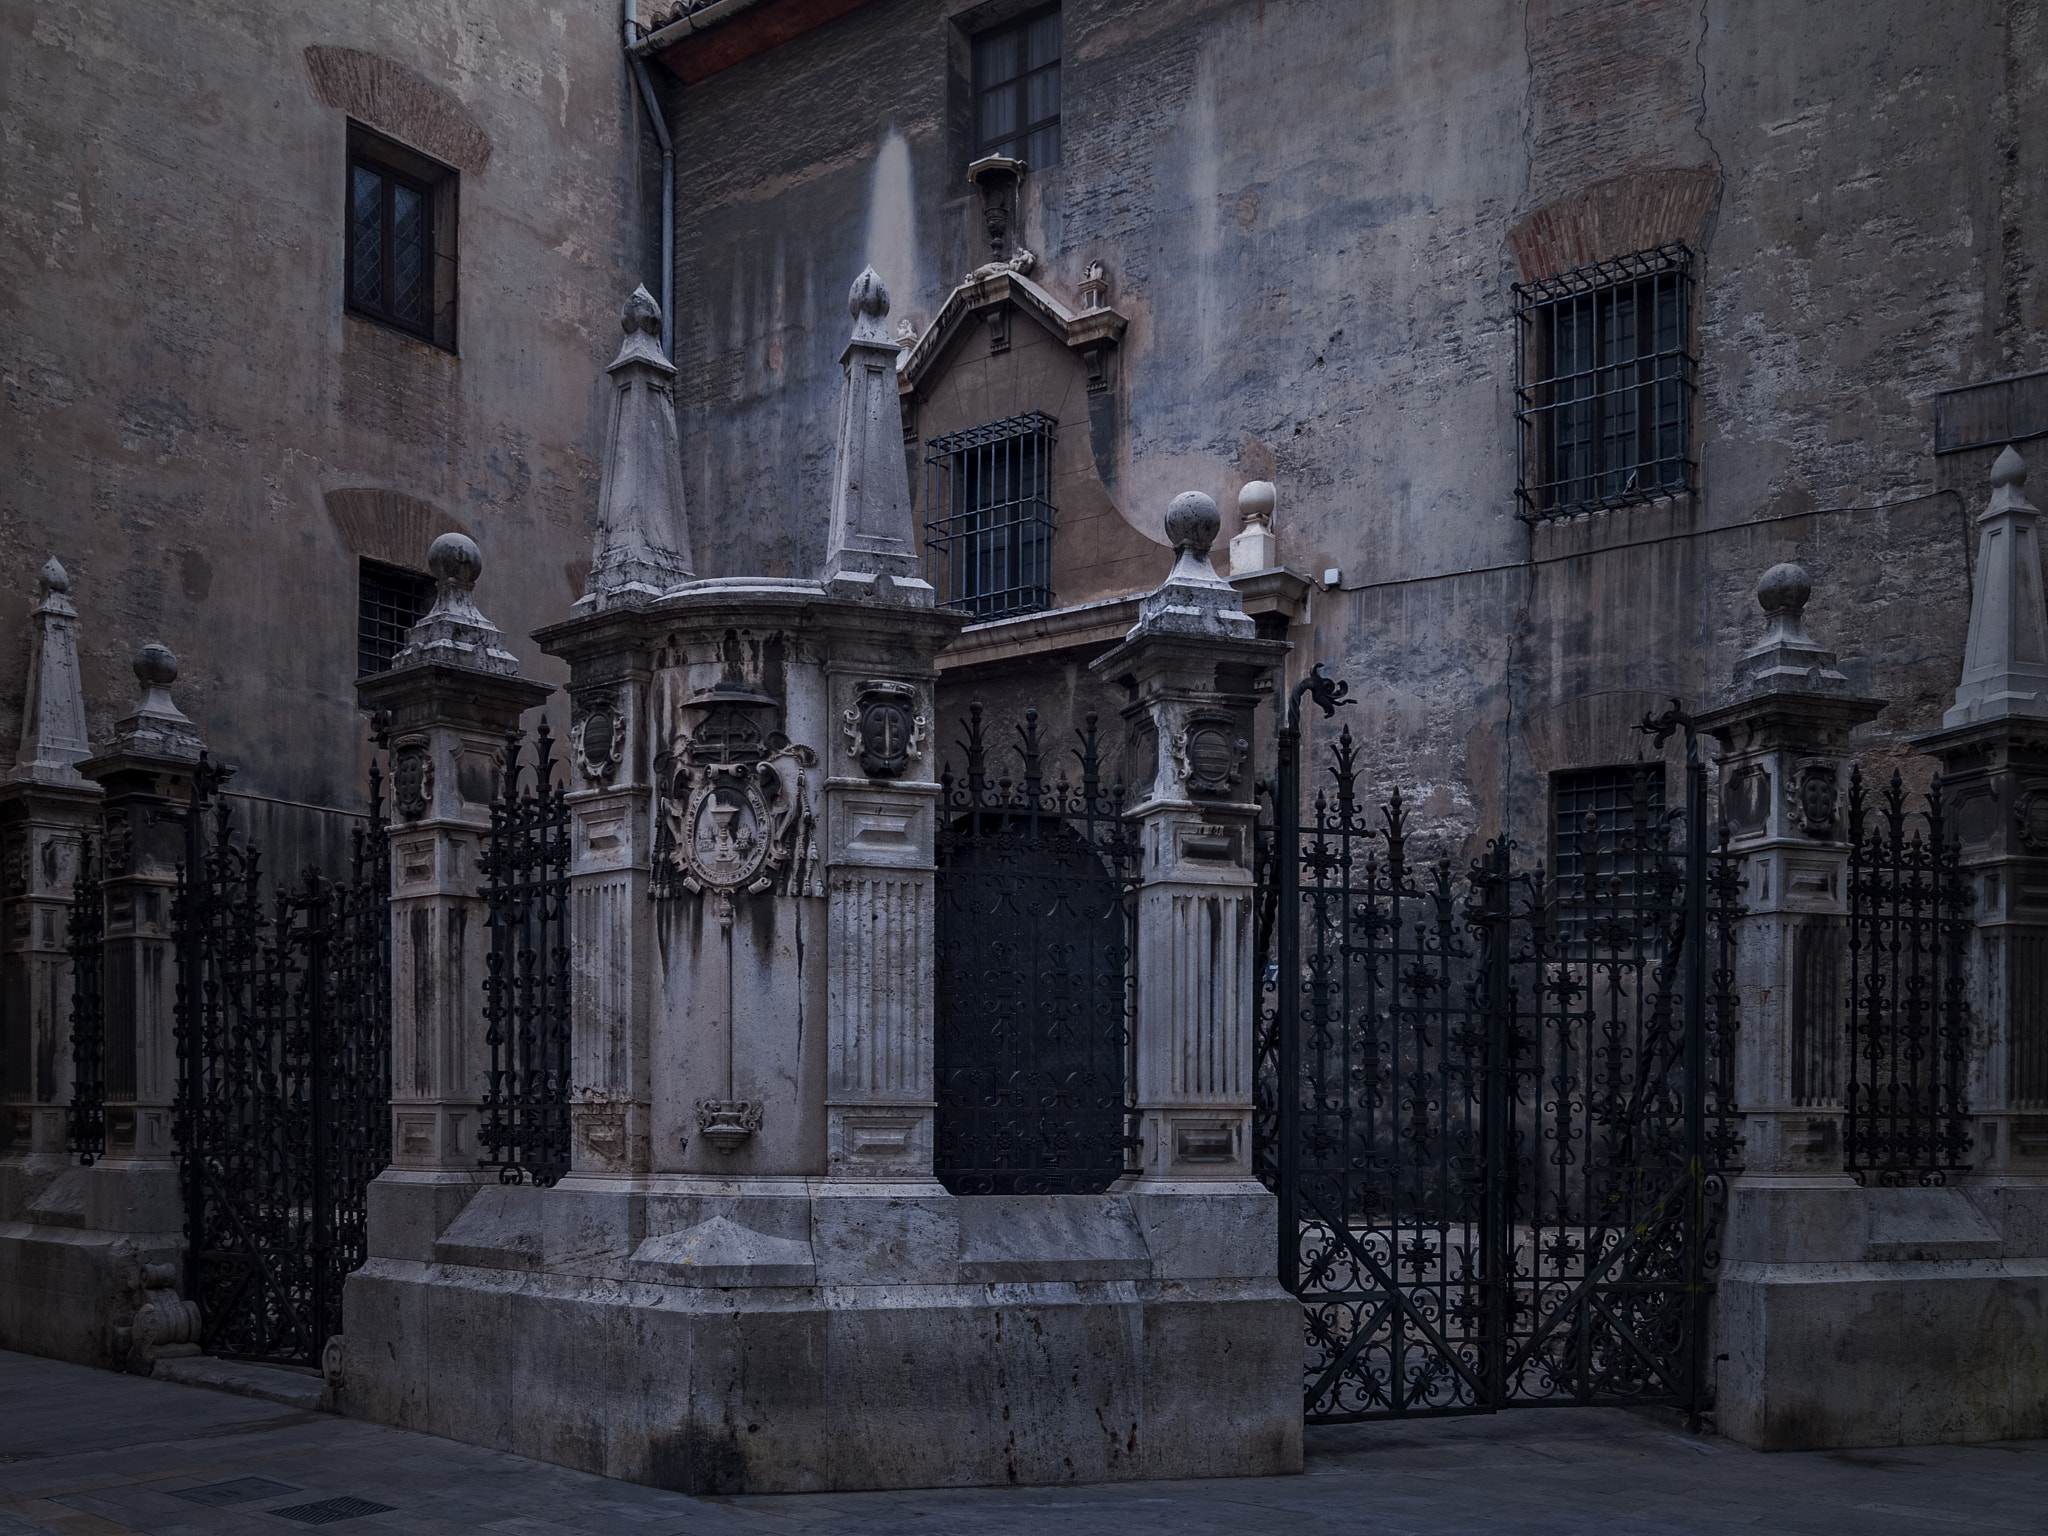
(1036,906)
(1496,1106)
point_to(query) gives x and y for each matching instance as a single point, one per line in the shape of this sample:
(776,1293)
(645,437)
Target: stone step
(293,1386)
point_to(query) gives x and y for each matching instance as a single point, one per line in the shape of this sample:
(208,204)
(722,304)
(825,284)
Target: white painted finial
(1256,548)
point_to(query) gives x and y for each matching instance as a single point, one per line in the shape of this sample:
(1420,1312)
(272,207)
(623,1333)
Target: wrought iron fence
(284,1093)
(525,1131)
(85,934)
(1034,928)
(1495,1105)
(1905,1119)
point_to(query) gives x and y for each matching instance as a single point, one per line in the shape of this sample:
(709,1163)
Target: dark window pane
(408,254)
(1042,41)
(995,58)
(992,548)
(367,233)
(1042,96)
(998,119)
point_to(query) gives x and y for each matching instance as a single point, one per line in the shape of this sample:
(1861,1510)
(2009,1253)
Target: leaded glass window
(390,245)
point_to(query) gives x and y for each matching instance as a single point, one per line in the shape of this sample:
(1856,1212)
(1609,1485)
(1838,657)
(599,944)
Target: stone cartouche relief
(884,731)
(597,735)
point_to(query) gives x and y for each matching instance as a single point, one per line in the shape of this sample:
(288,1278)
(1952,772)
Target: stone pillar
(47,810)
(1192,663)
(147,774)
(450,697)
(1782,762)
(97,1247)
(1993,748)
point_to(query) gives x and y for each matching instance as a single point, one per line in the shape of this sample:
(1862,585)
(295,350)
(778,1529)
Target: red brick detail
(1614,217)
(701,55)
(385,94)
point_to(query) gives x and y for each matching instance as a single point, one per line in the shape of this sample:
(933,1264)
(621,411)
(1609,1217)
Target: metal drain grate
(327,1511)
(236,1492)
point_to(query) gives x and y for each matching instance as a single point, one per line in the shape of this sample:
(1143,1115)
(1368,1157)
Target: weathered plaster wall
(192,422)
(1305,209)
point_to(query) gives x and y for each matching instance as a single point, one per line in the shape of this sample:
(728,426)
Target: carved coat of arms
(736,812)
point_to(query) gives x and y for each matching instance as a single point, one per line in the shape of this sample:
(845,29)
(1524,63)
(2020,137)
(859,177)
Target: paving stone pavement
(89,1451)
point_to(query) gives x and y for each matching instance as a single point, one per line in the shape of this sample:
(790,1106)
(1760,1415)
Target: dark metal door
(1494,1105)
(284,1103)
(1033,938)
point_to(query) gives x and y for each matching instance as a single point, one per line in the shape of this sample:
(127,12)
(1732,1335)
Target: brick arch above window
(393,99)
(387,526)
(1612,217)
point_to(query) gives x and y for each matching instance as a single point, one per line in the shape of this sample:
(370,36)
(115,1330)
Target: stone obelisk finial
(2005,661)
(53,714)
(872,550)
(643,542)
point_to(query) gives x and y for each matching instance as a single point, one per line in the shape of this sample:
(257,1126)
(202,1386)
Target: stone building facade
(214,430)
(1311,221)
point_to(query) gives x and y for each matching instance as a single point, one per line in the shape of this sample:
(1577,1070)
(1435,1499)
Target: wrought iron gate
(1032,1036)
(284,1094)
(1495,1105)
(525,864)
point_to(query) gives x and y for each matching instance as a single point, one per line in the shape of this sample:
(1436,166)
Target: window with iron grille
(390,600)
(989,516)
(1613,797)
(1603,393)
(1017,90)
(400,257)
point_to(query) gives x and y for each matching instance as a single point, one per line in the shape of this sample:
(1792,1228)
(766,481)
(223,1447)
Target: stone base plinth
(1868,1317)
(754,1343)
(74,1247)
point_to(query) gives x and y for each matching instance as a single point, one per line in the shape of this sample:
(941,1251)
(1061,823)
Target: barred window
(400,251)
(1603,396)
(1611,796)
(390,600)
(989,516)
(1017,90)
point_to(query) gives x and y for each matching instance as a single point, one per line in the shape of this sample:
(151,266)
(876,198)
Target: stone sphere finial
(54,577)
(455,560)
(156,665)
(1192,522)
(1255,503)
(1782,591)
(641,313)
(867,296)
(2010,468)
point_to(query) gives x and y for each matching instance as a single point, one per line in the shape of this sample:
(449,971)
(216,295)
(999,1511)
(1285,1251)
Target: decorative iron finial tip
(1255,503)
(641,313)
(1784,589)
(54,577)
(455,560)
(868,296)
(2010,468)
(1192,522)
(156,665)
